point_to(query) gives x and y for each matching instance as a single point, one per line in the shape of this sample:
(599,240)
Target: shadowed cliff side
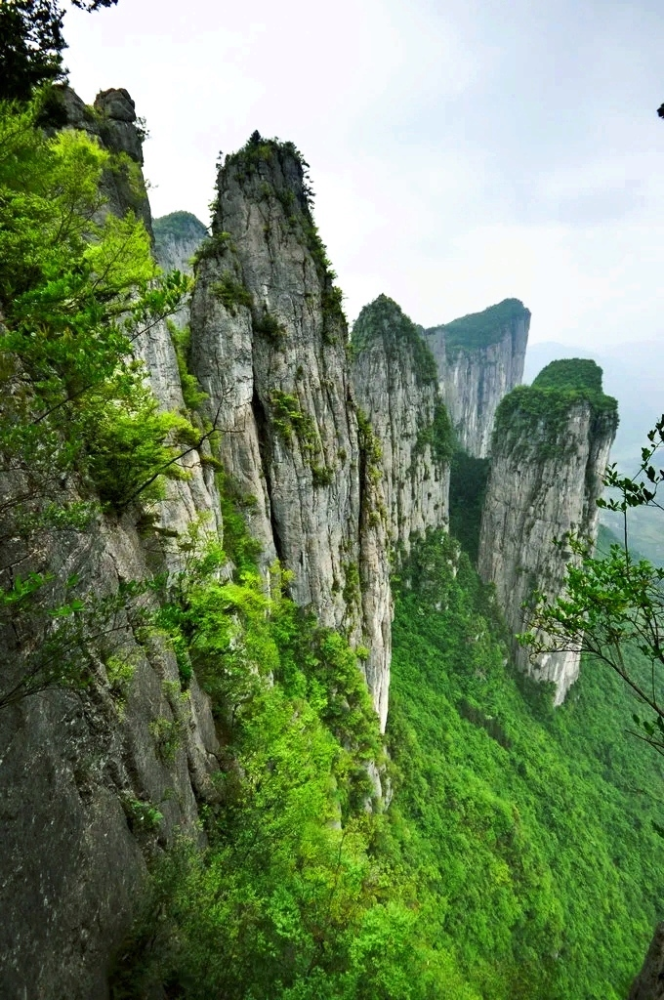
(549,452)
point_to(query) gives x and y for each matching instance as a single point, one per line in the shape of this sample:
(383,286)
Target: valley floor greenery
(519,857)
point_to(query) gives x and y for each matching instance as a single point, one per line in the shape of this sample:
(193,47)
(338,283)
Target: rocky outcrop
(177,237)
(649,984)
(480,359)
(89,788)
(269,346)
(396,386)
(550,450)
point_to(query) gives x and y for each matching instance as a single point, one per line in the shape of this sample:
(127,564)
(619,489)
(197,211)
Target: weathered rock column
(480,359)
(549,452)
(269,346)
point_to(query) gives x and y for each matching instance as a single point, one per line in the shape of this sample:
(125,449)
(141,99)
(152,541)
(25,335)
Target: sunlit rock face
(480,359)
(549,452)
(269,345)
(396,386)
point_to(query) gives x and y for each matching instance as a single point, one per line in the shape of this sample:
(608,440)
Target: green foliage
(383,319)
(302,893)
(167,736)
(571,373)
(76,293)
(534,826)
(192,393)
(213,246)
(269,326)
(289,419)
(232,293)
(63,630)
(535,418)
(468,479)
(479,330)
(371,469)
(178,226)
(439,435)
(143,817)
(613,604)
(239,545)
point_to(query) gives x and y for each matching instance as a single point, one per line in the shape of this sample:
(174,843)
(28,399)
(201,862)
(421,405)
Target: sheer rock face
(546,476)
(480,359)
(395,383)
(177,237)
(269,347)
(649,984)
(82,771)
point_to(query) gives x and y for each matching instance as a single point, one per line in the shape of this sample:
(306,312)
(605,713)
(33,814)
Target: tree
(31,44)
(614,604)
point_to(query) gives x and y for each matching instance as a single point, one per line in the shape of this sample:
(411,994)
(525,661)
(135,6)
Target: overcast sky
(461,152)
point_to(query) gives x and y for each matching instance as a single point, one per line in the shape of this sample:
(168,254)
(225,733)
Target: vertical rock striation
(177,237)
(269,346)
(82,773)
(396,386)
(480,359)
(550,450)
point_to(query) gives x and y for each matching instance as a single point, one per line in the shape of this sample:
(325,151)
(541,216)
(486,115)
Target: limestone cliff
(177,237)
(480,359)
(396,386)
(89,786)
(269,346)
(549,452)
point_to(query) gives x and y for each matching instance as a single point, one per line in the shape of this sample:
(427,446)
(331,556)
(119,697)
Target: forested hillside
(262,731)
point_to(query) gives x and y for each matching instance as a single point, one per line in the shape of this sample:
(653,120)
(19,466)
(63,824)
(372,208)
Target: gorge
(300,754)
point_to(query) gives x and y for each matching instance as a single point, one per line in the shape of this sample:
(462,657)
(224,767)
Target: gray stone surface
(394,389)
(79,769)
(538,491)
(473,380)
(271,352)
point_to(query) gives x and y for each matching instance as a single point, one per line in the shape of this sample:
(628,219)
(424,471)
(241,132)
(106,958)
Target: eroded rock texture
(177,237)
(550,450)
(269,346)
(480,359)
(396,386)
(86,773)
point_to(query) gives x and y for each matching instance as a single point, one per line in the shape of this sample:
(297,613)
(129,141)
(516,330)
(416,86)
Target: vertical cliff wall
(269,346)
(177,237)
(480,359)
(396,386)
(88,793)
(549,452)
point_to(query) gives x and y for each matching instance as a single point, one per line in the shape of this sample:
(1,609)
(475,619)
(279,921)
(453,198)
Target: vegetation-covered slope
(536,825)
(479,330)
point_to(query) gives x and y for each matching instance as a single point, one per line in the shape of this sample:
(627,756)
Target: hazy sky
(461,152)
